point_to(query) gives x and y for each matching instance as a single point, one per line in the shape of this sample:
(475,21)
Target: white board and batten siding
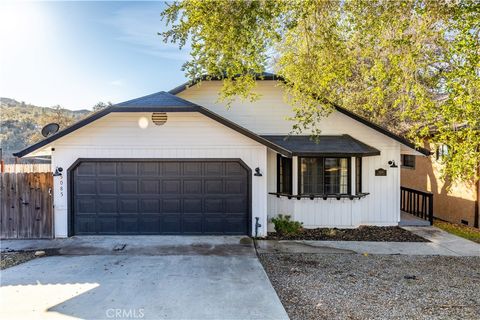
(269,114)
(195,136)
(184,135)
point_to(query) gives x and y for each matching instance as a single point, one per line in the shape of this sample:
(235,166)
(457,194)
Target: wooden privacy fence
(26,205)
(26,167)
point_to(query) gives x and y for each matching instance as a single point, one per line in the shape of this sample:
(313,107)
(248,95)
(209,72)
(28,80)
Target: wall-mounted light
(143,122)
(58,171)
(392,164)
(257,172)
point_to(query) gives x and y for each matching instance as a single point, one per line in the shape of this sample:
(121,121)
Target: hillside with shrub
(21,123)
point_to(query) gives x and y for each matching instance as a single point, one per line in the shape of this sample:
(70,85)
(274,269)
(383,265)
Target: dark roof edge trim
(382,130)
(336,155)
(271,76)
(263,76)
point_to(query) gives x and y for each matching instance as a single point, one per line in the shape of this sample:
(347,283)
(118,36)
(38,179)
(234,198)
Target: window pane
(284,175)
(311,175)
(408,160)
(358,175)
(336,175)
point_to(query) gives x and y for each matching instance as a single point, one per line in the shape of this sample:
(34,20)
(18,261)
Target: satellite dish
(50,129)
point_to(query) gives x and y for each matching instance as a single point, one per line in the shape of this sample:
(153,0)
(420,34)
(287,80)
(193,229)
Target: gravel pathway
(345,286)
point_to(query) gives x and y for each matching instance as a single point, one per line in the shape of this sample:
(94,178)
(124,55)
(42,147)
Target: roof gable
(348,113)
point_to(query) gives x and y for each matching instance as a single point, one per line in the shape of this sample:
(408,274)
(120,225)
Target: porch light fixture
(257,172)
(392,164)
(58,171)
(143,122)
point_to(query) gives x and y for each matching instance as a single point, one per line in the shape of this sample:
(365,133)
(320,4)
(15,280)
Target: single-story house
(181,162)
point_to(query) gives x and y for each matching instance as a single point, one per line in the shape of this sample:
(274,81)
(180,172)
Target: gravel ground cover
(10,259)
(363,233)
(346,286)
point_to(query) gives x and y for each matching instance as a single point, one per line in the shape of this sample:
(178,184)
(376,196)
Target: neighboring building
(182,163)
(456,202)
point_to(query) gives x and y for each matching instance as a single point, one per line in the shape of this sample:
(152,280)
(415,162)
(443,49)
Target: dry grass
(469,233)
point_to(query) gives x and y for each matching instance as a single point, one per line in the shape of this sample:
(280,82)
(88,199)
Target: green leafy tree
(410,65)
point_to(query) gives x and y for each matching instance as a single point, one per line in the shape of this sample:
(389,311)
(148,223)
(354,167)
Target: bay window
(324,175)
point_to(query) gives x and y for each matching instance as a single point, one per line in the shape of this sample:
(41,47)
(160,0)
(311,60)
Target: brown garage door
(160,197)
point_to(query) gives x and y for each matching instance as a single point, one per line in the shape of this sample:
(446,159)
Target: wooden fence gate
(26,205)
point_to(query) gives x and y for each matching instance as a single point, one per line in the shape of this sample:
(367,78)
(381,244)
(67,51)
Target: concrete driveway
(206,278)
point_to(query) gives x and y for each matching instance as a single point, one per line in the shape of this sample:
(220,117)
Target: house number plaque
(380,172)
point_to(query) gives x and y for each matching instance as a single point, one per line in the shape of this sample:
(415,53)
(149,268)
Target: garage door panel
(85,205)
(126,187)
(235,169)
(127,206)
(87,224)
(192,169)
(172,206)
(214,186)
(160,197)
(149,224)
(86,169)
(171,169)
(106,225)
(127,225)
(214,205)
(235,186)
(213,224)
(192,224)
(150,206)
(192,187)
(127,169)
(107,169)
(193,206)
(171,224)
(149,186)
(148,169)
(107,187)
(171,186)
(214,168)
(105,205)
(235,205)
(86,187)
(233,225)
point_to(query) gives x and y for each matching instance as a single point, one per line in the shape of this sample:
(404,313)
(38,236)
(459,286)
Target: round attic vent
(159,118)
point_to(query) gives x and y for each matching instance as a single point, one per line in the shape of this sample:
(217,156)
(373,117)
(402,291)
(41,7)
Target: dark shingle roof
(343,145)
(159,99)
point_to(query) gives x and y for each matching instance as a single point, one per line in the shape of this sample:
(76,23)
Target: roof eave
(336,154)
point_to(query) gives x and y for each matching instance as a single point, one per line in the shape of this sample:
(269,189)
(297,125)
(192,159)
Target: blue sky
(76,54)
